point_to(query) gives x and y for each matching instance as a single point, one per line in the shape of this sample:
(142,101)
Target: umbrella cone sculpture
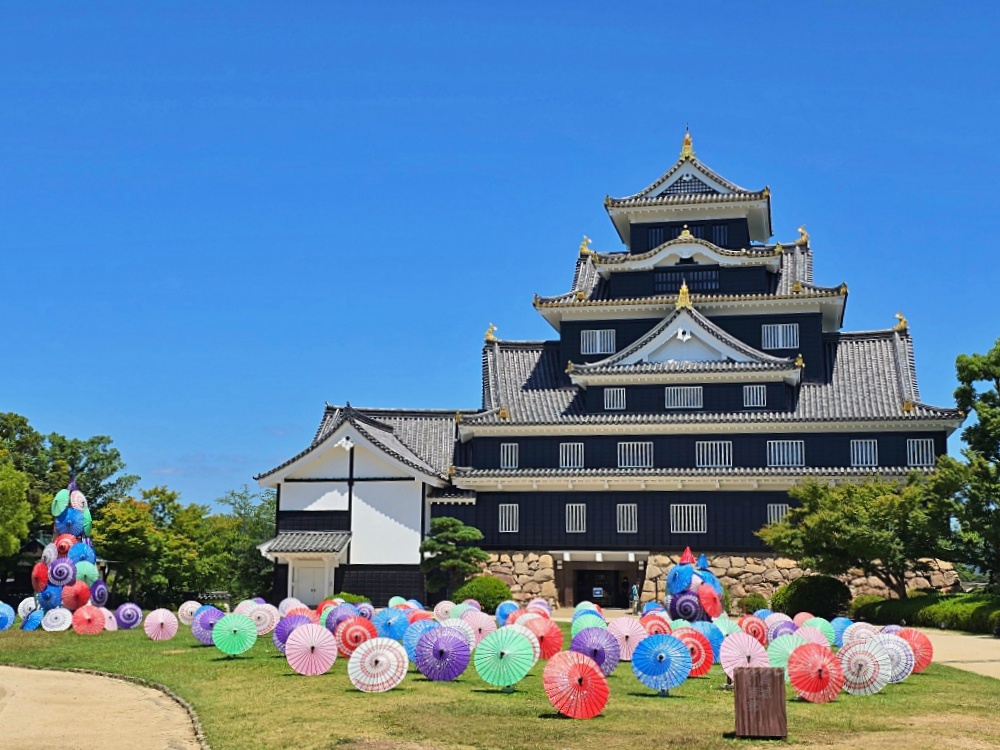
(160,625)
(815,673)
(311,650)
(661,662)
(235,634)
(741,650)
(503,658)
(377,665)
(442,654)
(575,685)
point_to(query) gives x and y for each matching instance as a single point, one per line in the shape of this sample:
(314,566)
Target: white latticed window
(920,452)
(570,455)
(508,455)
(713,454)
(683,397)
(786,453)
(614,398)
(637,455)
(776,512)
(628,518)
(755,395)
(597,342)
(864,453)
(508,518)
(779,336)
(576,518)
(688,519)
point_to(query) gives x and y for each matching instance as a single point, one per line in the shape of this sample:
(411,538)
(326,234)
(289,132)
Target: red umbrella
(923,649)
(815,673)
(754,626)
(801,617)
(305,612)
(63,542)
(75,595)
(538,610)
(710,601)
(311,650)
(699,648)
(575,685)
(88,621)
(549,635)
(39,577)
(352,632)
(654,624)
(416,615)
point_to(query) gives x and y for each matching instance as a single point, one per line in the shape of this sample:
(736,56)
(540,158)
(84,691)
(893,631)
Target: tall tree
(452,555)
(15,510)
(882,528)
(128,539)
(252,523)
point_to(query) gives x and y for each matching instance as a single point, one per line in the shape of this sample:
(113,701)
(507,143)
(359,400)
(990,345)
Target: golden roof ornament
(685,234)
(579,294)
(451,470)
(569,367)
(797,287)
(843,287)
(503,413)
(585,246)
(490,337)
(799,362)
(458,416)
(687,146)
(683,298)
(803,236)
(778,249)
(903,323)
(908,407)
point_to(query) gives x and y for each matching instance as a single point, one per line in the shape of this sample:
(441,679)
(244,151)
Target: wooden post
(760,703)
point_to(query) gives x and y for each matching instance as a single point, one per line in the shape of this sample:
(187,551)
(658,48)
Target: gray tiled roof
(308,541)
(704,169)
(684,199)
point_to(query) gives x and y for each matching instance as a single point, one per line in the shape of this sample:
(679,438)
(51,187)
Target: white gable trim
(688,171)
(672,251)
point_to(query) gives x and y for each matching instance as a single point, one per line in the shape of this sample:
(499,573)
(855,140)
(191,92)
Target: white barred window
(597,342)
(786,453)
(576,518)
(508,518)
(628,518)
(779,336)
(920,452)
(570,455)
(638,455)
(776,512)
(614,398)
(864,452)
(755,395)
(683,397)
(688,519)
(508,455)
(713,454)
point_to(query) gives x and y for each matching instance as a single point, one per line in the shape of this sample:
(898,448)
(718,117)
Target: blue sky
(216,217)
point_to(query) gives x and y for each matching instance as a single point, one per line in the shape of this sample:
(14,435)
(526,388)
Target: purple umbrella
(99,593)
(786,627)
(599,645)
(128,615)
(442,654)
(201,626)
(686,606)
(366,610)
(62,571)
(891,629)
(286,626)
(338,614)
(260,600)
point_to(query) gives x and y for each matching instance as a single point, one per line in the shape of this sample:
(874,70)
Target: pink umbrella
(311,650)
(801,617)
(442,610)
(628,631)
(482,624)
(741,650)
(265,617)
(812,635)
(110,623)
(161,625)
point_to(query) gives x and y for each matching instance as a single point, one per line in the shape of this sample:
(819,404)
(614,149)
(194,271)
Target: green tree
(15,510)
(883,528)
(452,556)
(252,523)
(128,539)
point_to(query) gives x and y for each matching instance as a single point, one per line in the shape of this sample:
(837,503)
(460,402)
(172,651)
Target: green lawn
(257,701)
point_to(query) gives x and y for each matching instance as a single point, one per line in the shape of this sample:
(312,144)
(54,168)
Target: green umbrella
(234,634)
(60,502)
(458,609)
(86,571)
(781,648)
(504,657)
(585,605)
(587,621)
(727,625)
(396,600)
(88,522)
(679,623)
(322,617)
(821,624)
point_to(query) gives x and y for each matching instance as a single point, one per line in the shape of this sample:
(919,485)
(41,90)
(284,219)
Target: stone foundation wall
(529,575)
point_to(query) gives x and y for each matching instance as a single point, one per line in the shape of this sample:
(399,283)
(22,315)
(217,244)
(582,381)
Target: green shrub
(975,612)
(995,621)
(751,603)
(488,590)
(350,598)
(821,596)
(861,601)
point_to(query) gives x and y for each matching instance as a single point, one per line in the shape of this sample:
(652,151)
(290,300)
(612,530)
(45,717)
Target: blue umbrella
(763,613)
(50,597)
(503,611)
(652,607)
(413,634)
(713,633)
(839,626)
(81,551)
(70,521)
(702,563)
(584,612)
(391,623)
(661,662)
(7,615)
(709,578)
(599,645)
(33,621)
(203,608)
(679,578)
(415,603)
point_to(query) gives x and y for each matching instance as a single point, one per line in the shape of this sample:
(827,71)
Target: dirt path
(973,653)
(84,712)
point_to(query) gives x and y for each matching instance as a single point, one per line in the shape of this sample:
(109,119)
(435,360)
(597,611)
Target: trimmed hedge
(975,612)
(860,601)
(821,596)
(351,598)
(487,590)
(751,603)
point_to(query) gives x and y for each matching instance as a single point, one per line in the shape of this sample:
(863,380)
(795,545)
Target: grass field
(257,701)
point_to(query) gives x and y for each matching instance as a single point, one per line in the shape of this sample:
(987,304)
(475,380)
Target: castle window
(508,518)
(713,454)
(597,342)
(669,280)
(786,453)
(720,234)
(508,455)
(576,518)
(683,397)
(779,336)
(776,512)
(570,455)
(755,395)
(638,455)
(656,237)
(628,518)
(864,453)
(920,452)
(688,519)
(614,398)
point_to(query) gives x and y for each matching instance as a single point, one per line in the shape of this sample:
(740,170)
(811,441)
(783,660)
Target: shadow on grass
(657,695)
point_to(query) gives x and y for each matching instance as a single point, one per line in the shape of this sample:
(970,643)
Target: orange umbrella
(575,685)
(305,612)
(548,633)
(88,620)
(815,673)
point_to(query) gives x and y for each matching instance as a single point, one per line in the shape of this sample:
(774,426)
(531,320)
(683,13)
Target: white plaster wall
(368,463)
(314,496)
(331,462)
(386,523)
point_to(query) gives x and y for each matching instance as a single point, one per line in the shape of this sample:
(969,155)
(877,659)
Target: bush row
(976,612)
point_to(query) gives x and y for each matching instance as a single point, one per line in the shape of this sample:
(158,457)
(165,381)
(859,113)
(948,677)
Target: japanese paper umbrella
(711,602)
(536,647)
(587,621)
(75,595)
(60,502)
(686,606)
(859,632)
(311,650)
(39,576)
(306,612)
(481,623)
(679,578)
(549,635)
(503,609)
(628,631)
(337,614)
(235,634)
(413,635)
(63,543)
(503,658)
(128,615)
(839,625)
(801,617)
(923,649)
(244,607)
(661,662)
(741,650)
(351,633)
(754,626)
(727,625)
(699,648)
(653,624)
(712,633)
(815,673)
(57,619)
(99,593)
(49,553)
(203,624)
(86,571)
(900,653)
(366,610)
(442,610)
(575,685)
(377,665)
(265,617)
(460,624)
(160,625)
(50,597)
(62,571)
(600,645)
(33,620)
(185,612)
(77,500)
(780,628)
(110,623)
(822,625)
(391,623)
(288,603)
(7,616)
(81,551)
(88,620)
(442,654)
(781,648)
(813,635)
(867,667)
(775,617)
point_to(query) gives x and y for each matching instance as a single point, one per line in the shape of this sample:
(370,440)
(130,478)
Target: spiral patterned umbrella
(778,629)
(413,634)
(699,648)
(57,620)
(661,662)
(741,650)
(377,665)
(628,631)
(442,610)
(867,667)
(599,645)
(311,650)
(859,632)
(466,629)
(88,620)
(185,612)
(352,632)
(161,625)
(265,617)
(110,623)
(128,615)
(575,684)
(99,593)
(536,647)
(34,620)
(203,624)
(442,654)
(923,649)
(686,606)
(366,610)
(815,673)
(62,572)
(900,654)
(754,626)
(781,648)
(549,635)
(50,597)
